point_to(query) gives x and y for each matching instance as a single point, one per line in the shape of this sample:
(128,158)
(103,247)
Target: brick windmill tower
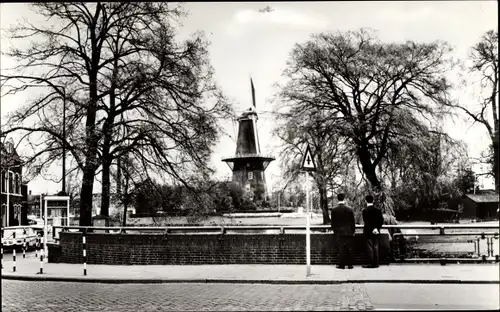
(248,164)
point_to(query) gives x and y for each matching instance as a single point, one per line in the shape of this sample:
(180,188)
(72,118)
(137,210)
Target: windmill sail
(253,93)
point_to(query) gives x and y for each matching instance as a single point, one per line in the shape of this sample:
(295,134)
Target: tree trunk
(125,201)
(106,165)
(368,167)
(496,159)
(119,177)
(323,202)
(321,183)
(91,162)
(108,134)
(91,137)
(106,183)
(86,195)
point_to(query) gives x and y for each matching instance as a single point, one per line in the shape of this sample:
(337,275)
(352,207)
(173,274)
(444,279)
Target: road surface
(61,296)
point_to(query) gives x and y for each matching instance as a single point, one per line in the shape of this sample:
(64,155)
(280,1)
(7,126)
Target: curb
(105,280)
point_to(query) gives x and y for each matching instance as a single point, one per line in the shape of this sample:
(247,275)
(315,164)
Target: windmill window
(250,176)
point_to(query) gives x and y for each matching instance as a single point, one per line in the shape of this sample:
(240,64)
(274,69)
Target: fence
(403,242)
(482,240)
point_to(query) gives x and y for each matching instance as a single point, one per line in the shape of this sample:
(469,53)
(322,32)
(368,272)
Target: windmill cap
(250,111)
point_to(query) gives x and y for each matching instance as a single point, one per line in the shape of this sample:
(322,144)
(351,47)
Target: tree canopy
(379,95)
(129,88)
(484,62)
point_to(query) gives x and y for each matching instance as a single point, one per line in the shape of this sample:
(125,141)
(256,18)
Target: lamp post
(63,191)
(8,197)
(64,145)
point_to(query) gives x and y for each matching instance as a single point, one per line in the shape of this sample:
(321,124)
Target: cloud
(279,17)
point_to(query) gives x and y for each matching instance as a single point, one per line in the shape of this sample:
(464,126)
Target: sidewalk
(27,269)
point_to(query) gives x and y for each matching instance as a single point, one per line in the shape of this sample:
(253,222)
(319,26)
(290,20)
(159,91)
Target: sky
(247,43)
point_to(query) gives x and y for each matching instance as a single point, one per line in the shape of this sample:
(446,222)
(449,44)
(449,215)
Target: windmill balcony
(249,155)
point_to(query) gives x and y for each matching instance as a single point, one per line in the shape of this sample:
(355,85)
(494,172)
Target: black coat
(343,220)
(372,219)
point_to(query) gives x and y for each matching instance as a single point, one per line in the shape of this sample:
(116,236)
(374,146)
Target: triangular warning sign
(308,161)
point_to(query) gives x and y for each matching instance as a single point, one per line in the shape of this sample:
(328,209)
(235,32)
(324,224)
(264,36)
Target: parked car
(9,240)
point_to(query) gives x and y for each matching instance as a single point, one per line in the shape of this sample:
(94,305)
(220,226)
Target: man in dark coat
(373,221)
(343,227)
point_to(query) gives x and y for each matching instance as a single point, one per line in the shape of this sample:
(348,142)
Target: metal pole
(2,248)
(8,197)
(41,212)
(45,232)
(279,195)
(64,145)
(308,230)
(37,247)
(14,253)
(41,255)
(24,243)
(84,254)
(67,212)
(475,178)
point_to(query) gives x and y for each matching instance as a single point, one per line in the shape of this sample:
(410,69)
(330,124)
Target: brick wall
(205,249)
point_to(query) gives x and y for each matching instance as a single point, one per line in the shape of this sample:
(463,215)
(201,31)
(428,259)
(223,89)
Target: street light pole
(64,144)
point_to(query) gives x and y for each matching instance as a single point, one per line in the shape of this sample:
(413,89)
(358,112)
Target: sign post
(308,165)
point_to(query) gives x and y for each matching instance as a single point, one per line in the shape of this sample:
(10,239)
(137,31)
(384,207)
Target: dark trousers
(344,243)
(372,243)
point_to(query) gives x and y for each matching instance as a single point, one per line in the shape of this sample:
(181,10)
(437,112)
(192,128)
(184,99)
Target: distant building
(481,206)
(14,212)
(33,203)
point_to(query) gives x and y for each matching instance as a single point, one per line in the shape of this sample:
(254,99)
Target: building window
(17,185)
(250,175)
(247,187)
(4,182)
(11,183)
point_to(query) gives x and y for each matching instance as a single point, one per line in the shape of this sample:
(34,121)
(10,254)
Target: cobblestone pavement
(59,296)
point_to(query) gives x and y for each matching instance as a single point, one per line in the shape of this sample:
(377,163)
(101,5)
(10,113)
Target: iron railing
(322,228)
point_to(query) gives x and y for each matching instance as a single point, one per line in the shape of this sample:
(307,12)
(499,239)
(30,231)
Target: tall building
(249,164)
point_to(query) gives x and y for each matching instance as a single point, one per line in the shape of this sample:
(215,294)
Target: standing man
(373,221)
(343,227)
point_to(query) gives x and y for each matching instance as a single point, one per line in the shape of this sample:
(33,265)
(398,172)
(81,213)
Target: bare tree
(118,66)
(365,83)
(484,56)
(297,129)
(163,112)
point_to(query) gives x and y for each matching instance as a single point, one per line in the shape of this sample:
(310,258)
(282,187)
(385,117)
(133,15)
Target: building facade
(12,198)
(481,206)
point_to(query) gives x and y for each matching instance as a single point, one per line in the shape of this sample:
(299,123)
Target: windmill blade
(253,93)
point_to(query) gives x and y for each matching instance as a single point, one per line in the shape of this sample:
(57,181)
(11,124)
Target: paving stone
(61,296)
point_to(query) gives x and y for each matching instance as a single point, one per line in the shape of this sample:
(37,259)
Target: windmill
(249,164)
